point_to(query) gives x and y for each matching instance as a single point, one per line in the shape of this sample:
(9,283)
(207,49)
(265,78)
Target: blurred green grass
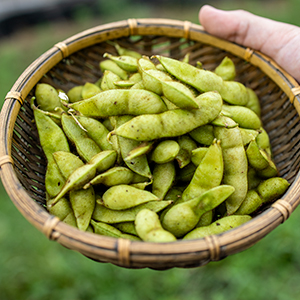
(34,268)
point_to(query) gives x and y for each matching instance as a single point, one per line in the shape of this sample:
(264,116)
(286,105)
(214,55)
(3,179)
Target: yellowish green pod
(74,94)
(187,145)
(234,92)
(253,102)
(110,65)
(107,215)
(172,122)
(125,62)
(124,196)
(149,229)
(108,80)
(226,69)
(251,203)
(218,227)
(165,151)
(120,102)
(202,80)
(163,178)
(183,217)
(203,134)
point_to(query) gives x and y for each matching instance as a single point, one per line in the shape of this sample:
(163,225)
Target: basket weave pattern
(76,61)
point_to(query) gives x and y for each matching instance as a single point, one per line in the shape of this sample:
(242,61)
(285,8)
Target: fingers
(278,40)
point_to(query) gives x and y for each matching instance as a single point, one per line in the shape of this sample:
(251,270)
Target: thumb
(278,40)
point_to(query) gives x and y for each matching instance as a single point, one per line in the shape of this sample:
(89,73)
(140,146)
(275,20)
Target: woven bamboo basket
(76,61)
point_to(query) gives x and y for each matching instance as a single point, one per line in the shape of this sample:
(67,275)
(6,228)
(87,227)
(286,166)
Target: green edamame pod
(253,102)
(111,216)
(126,227)
(206,219)
(202,80)
(83,203)
(179,94)
(110,65)
(111,177)
(208,174)
(89,90)
(183,217)
(153,79)
(125,51)
(217,227)
(148,228)
(248,135)
(244,116)
(235,165)
(47,97)
(85,146)
(124,196)
(163,178)
(263,141)
(226,69)
(74,94)
(96,131)
(234,92)
(165,151)
(173,122)
(187,145)
(109,230)
(54,181)
(125,62)
(272,188)
(120,102)
(141,149)
(224,121)
(52,137)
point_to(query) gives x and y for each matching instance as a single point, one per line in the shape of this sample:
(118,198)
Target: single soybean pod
(222,225)
(234,92)
(119,102)
(110,65)
(96,131)
(125,51)
(163,178)
(74,94)
(165,151)
(244,116)
(124,196)
(109,230)
(112,216)
(226,69)
(85,146)
(149,228)
(52,137)
(113,176)
(235,165)
(202,80)
(183,217)
(108,80)
(208,174)
(253,102)
(125,62)
(47,97)
(173,122)
(198,155)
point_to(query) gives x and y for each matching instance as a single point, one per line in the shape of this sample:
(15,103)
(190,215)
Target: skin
(278,40)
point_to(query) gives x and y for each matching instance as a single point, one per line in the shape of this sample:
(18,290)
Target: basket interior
(279,116)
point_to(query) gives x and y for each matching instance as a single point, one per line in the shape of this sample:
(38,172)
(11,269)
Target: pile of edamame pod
(156,150)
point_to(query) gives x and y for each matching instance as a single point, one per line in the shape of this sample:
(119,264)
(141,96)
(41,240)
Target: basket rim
(124,252)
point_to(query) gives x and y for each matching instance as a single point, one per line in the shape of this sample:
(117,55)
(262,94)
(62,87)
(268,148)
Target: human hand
(280,41)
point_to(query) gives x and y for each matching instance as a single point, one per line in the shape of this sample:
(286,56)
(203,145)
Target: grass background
(34,268)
